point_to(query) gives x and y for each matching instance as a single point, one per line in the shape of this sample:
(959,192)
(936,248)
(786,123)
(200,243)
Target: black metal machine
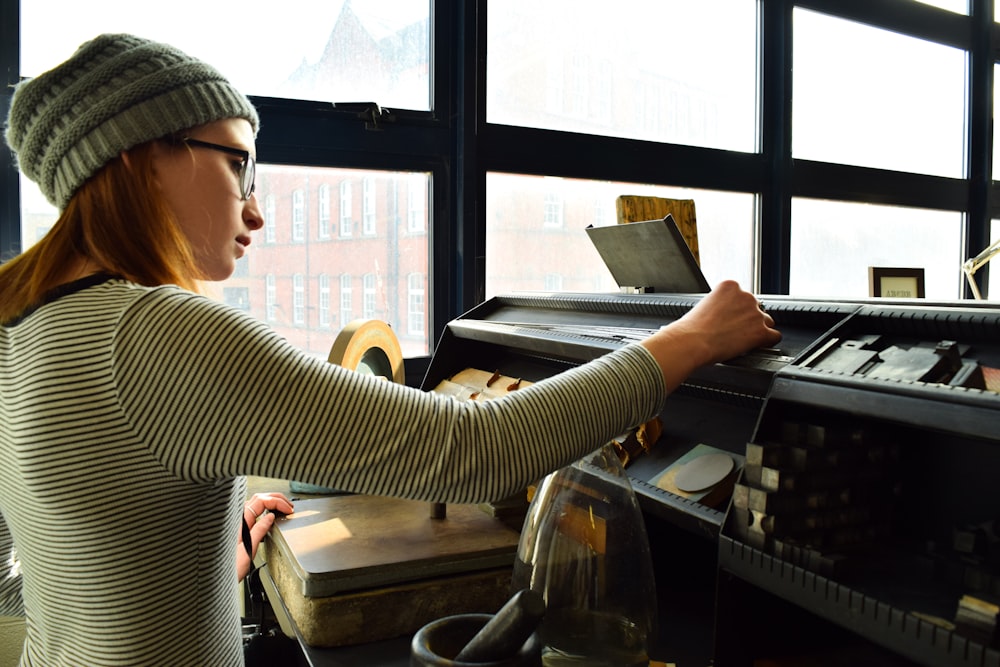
(868,445)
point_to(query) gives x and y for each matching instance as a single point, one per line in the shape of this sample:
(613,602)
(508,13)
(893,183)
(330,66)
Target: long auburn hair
(118,220)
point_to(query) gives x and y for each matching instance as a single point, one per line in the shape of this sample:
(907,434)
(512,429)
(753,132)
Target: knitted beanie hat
(115,92)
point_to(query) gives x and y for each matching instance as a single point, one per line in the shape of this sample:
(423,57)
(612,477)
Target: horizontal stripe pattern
(128,416)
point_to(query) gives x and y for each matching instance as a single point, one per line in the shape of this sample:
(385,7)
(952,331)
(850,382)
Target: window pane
(996,109)
(957,6)
(834,243)
(371,271)
(284,280)
(995,270)
(628,70)
(993,283)
(37,214)
(335,50)
(536,238)
(888,101)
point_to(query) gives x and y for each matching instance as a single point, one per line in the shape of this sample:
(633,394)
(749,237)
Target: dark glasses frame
(248,169)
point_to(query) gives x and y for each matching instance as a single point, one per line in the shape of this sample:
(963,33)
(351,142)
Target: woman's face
(202,187)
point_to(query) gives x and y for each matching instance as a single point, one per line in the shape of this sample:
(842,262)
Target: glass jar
(584,548)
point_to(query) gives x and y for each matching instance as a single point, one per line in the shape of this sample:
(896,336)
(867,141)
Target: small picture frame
(895,282)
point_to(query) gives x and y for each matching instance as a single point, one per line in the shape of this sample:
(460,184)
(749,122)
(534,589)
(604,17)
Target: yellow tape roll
(369,346)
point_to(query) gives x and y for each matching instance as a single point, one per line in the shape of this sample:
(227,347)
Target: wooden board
(636,208)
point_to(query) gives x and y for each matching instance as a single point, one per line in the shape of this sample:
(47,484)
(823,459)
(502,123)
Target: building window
(270,228)
(324,300)
(368,296)
(270,298)
(346,203)
(604,212)
(579,93)
(323,214)
(368,206)
(237,297)
(346,300)
(298,299)
(416,209)
(553,212)
(416,305)
(298,216)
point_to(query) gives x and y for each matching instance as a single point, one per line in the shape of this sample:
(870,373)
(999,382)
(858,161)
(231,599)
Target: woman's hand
(726,323)
(260,521)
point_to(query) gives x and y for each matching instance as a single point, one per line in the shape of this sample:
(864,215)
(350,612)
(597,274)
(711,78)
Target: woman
(131,406)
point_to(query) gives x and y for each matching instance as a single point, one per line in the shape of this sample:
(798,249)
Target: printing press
(868,447)
(865,448)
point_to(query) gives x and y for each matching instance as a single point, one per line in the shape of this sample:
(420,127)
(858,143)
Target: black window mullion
(980,135)
(905,16)
(10,193)
(465,254)
(525,150)
(775,35)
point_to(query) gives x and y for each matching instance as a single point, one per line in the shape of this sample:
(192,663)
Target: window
(994,267)
(381,50)
(270,298)
(368,206)
(416,314)
(242,268)
(298,216)
(368,296)
(346,300)
(834,243)
(604,212)
(237,297)
(725,232)
(323,214)
(552,212)
(323,313)
(416,211)
(376,52)
(957,6)
(382,255)
(346,222)
(270,229)
(298,299)
(589,109)
(870,106)
(613,73)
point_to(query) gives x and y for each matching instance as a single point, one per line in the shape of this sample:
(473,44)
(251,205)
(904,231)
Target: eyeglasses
(248,168)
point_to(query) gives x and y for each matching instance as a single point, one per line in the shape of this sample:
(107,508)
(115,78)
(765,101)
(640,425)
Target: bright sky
(253,42)
(256,46)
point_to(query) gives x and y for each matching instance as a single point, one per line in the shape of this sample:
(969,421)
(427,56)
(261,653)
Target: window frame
(455,144)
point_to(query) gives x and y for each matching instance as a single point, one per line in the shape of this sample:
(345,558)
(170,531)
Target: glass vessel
(584,548)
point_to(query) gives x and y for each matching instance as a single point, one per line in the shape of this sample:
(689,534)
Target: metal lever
(370,112)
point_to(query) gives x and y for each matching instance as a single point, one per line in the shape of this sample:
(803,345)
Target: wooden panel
(636,208)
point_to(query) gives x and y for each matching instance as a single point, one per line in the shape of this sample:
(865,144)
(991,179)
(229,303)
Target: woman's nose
(252,215)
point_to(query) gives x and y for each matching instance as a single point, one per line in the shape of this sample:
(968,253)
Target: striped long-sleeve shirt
(128,416)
